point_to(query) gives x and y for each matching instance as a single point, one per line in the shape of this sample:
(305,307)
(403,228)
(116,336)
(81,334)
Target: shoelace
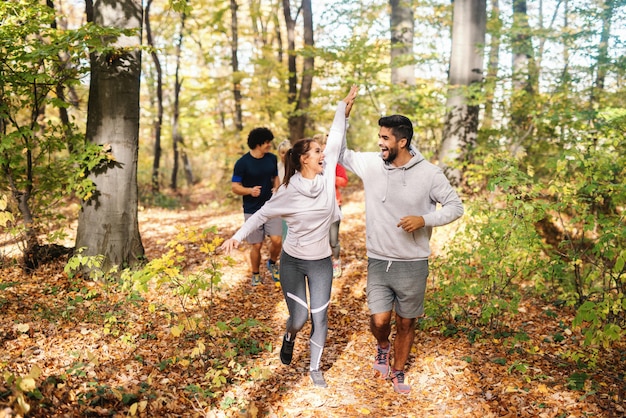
(399,376)
(381,357)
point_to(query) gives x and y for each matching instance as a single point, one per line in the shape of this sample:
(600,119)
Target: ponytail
(292,158)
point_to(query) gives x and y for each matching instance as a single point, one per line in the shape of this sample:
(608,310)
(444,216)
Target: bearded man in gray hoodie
(402,191)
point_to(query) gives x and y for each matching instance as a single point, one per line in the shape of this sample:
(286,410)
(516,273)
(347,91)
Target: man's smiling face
(388,144)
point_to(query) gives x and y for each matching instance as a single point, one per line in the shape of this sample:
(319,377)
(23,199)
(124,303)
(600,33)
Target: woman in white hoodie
(306,201)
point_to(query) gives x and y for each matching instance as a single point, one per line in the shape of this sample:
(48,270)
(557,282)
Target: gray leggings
(294,276)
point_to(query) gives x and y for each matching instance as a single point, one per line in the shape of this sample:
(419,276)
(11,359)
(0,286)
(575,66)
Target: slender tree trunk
(60,92)
(494,62)
(177,138)
(290,22)
(402,33)
(298,119)
(603,59)
(158,122)
(107,223)
(523,75)
(466,72)
(234,46)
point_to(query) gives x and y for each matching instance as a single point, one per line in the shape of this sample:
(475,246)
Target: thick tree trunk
(402,33)
(107,223)
(466,69)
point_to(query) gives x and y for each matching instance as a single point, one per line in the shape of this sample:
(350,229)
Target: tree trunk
(298,118)
(494,62)
(523,74)
(158,123)
(466,71)
(234,47)
(290,22)
(402,33)
(177,138)
(107,223)
(603,59)
(60,91)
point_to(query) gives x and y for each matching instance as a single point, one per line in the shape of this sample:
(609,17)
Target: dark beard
(391,156)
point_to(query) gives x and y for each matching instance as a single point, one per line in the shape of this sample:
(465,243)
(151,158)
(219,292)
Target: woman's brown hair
(293,162)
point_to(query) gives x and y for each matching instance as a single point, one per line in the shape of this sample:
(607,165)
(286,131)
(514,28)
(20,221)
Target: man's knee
(405,325)
(380,320)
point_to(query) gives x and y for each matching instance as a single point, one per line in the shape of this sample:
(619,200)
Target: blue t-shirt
(250,172)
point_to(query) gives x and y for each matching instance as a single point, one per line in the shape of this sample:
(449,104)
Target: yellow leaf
(23,328)
(117,394)
(180,248)
(35,372)
(177,330)
(184,362)
(364,411)
(24,406)
(133,409)
(27,384)
(143,405)
(542,388)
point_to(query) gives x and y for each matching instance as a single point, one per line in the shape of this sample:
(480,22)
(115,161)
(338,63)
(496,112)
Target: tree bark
(177,137)
(603,59)
(234,47)
(158,122)
(493,64)
(107,223)
(298,118)
(466,70)
(402,33)
(523,75)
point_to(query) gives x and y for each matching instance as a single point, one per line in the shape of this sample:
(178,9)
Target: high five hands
(350,99)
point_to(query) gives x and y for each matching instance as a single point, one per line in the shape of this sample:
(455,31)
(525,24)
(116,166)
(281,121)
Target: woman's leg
(320,275)
(293,284)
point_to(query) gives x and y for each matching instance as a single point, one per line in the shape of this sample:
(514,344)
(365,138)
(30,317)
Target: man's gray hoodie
(392,193)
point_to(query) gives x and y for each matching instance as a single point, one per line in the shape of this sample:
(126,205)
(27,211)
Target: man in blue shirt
(255,177)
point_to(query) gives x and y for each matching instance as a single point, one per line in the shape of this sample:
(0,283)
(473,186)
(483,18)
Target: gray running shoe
(381,363)
(318,379)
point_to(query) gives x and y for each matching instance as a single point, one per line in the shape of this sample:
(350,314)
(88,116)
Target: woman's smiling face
(313,160)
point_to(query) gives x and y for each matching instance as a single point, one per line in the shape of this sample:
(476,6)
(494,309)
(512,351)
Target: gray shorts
(273,226)
(399,284)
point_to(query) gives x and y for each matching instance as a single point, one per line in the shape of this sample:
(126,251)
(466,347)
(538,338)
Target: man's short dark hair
(259,136)
(401,127)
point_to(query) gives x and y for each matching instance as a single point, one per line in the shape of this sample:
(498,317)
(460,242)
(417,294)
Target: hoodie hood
(416,158)
(307,187)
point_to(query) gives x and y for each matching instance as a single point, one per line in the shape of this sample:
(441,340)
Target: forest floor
(72,347)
